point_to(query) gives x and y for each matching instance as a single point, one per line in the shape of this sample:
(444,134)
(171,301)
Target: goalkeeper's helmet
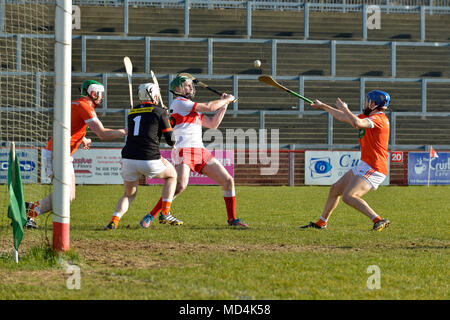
(179,87)
(90,86)
(149,91)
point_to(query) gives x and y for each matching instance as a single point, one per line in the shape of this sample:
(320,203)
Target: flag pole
(13,156)
(429,166)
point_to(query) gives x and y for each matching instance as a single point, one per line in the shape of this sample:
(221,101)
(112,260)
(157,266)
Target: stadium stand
(215,44)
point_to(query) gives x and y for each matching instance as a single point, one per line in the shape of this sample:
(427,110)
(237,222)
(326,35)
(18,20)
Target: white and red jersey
(186,123)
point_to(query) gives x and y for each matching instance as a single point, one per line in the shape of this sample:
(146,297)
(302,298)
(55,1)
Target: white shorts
(373,178)
(47,159)
(132,169)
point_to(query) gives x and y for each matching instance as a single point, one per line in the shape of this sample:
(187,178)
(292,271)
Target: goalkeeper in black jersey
(147,122)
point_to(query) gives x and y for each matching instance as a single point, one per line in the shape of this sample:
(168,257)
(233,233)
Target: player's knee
(229,183)
(181,186)
(347,198)
(334,190)
(131,194)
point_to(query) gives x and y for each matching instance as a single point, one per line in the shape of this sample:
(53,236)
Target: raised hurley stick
(271,82)
(155,81)
(202,84)
(129,71)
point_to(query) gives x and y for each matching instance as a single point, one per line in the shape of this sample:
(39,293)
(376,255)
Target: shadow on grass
(138,227)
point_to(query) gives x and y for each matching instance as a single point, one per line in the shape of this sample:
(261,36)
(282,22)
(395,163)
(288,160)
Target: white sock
(229,194)
(117,214)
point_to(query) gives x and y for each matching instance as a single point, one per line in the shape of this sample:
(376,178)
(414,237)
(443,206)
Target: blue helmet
(380,98)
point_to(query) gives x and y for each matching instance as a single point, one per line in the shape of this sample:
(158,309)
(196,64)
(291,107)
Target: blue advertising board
(28,161)
(420,168)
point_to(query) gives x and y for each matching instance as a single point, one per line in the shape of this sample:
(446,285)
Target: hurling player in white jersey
(187,120)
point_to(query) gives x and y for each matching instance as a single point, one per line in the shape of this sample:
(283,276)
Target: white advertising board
(95,166)
(327,167)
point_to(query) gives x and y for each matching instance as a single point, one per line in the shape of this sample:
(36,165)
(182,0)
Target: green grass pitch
(273,259)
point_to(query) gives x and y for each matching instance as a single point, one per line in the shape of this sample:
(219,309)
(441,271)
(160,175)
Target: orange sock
(166,207)
(321,223)
(115,219)
(376,219)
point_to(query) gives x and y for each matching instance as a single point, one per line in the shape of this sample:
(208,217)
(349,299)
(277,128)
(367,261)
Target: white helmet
(149,91)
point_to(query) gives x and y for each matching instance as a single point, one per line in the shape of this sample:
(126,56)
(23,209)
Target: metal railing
(306,7)
(263,113)
(210,54)
(273,63)
(285,5)
(249,6)
(274,42)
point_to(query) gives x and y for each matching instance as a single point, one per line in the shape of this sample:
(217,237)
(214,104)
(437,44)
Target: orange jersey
(82,112)
(374,142)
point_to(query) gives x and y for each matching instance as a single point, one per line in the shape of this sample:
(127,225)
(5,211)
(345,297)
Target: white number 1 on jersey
(137,122)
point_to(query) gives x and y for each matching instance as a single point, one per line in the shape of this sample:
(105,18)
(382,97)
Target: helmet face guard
(149,91)
(177,87)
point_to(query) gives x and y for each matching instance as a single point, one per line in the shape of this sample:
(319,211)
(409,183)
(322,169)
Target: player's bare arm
(336,113)
(216,120)
(104,133)
(356,122)
(215,104)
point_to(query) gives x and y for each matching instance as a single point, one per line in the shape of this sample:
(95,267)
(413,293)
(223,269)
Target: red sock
(230,203)
(157,208)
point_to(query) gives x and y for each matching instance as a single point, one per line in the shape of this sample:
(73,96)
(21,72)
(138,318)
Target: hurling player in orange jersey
(373,126)
(82,116)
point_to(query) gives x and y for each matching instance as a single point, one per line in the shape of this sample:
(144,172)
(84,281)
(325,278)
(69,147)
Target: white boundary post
(61,126)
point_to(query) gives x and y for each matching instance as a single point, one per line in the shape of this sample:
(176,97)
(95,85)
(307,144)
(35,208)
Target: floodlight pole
(61,126)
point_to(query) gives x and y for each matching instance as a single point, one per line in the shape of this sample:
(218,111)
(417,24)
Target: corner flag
(16,208)
(433,153)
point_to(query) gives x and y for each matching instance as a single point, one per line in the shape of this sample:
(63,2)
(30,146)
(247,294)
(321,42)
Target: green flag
(16,209)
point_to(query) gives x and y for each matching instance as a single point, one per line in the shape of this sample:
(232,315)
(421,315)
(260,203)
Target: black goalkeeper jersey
(146,124)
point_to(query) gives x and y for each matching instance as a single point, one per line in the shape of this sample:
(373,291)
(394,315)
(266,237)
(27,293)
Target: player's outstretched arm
(356,122)
(215,104)
(104,133)
(337,114)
